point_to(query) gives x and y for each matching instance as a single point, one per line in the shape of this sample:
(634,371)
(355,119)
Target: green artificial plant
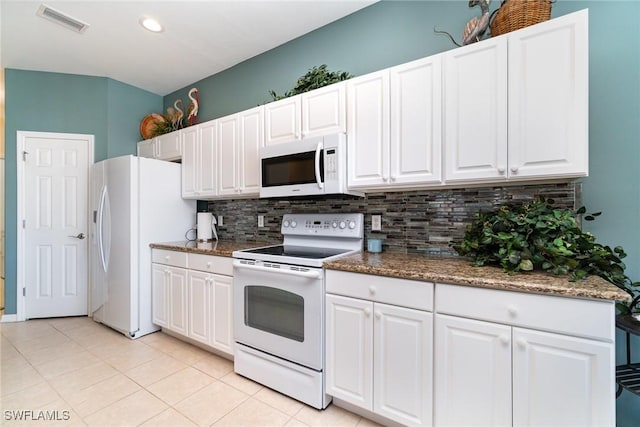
(315,78)
(538,236)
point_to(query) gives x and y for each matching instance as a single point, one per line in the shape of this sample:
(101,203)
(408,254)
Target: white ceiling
(200,38)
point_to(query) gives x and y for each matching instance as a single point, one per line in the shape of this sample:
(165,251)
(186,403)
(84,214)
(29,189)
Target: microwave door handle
(317,168)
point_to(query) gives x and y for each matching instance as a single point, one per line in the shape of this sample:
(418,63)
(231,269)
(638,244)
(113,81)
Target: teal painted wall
(53,102)
(393,32)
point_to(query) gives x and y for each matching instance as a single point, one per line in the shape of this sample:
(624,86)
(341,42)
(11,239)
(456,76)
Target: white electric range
(279,303)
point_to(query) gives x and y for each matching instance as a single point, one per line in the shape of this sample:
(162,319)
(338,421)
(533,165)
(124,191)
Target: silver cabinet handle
(80,236)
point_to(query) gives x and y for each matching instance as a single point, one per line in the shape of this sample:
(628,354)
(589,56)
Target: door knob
(79,236)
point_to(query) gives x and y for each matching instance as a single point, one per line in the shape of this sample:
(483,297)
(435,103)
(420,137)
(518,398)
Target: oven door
(278,310)
(293,169)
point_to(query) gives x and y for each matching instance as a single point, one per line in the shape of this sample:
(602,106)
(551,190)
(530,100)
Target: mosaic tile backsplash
(426,221)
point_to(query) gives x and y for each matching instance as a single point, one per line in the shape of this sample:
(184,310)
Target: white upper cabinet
(416,122)
(475,111)
(282,120)
(516,107)
(314,113)
(395,126)
(324,111)
(199,161)
(548,98)
(163,147)
(368,130)
(146,149)
(240,137)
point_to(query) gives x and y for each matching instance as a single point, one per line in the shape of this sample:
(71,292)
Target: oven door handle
(319,148)
(312,274)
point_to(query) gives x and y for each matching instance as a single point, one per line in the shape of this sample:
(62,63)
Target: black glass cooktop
(297,251)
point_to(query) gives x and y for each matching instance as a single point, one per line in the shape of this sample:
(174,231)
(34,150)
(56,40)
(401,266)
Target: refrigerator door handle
(103,200)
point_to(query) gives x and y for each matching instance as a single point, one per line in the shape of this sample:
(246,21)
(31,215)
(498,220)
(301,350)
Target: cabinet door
(169,146)
(324,111)
(416,122)
(251,139)
(472,372)
(403,360)
(207,165)
(159,278)
(190,163)
(227,148)
(146,149)
(282,120)
(349,350)
(199,310)
(548,98)
(475,108)
(221,313)
(562,380)
(368,130)
(177,284)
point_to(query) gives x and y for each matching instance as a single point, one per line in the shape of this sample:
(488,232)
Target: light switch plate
(376,222)
(220,221)
(260,220)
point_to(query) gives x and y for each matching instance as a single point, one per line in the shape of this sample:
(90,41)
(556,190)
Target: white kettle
(206,228)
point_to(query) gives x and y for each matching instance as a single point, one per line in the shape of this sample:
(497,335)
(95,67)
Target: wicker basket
(516,14)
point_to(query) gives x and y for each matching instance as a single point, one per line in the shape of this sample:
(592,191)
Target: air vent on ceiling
(61,18)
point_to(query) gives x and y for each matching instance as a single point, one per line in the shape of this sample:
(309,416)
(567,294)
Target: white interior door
(54,220)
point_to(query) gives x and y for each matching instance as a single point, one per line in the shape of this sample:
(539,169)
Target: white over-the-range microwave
(311,167)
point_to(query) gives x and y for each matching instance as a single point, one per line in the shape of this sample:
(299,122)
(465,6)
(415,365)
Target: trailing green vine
(538,236)
(315,78)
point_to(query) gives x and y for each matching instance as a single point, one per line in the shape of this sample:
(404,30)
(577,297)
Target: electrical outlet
(376,222)
(220,221)
(260,220)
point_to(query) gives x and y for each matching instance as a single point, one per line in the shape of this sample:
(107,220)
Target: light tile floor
(78,372)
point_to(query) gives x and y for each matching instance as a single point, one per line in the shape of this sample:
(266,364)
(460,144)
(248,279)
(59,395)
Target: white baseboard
(6,318)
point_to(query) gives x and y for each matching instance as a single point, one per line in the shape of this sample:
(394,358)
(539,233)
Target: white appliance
(311,167)
(278,295)
(135,201)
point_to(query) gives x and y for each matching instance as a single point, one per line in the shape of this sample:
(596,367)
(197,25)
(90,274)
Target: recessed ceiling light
(150,24)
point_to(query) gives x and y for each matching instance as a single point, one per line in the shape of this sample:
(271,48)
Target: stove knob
(334,224)
(343,225)
(285,223)
(352,225)
(294,224)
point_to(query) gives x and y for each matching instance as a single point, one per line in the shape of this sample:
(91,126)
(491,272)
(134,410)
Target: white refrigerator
(135,201)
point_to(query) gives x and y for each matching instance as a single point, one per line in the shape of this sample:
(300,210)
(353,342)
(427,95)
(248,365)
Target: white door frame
(21,137)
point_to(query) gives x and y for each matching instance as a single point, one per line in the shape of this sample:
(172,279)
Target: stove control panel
(329,225)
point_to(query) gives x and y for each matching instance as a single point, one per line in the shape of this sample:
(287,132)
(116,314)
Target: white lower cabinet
(210,315)
(378,356)
(508,373)
(192,296)
(169,290)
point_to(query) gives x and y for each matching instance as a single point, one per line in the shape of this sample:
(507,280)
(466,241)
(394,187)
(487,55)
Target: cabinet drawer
(175,258)
(579,317)
(388,290)
(211,264)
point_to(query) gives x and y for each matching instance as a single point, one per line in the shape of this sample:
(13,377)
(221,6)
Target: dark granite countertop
(219,248)
(461,271)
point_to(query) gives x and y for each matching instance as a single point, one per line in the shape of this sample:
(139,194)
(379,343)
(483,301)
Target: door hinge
(24,292)
(24,223)
(24,156)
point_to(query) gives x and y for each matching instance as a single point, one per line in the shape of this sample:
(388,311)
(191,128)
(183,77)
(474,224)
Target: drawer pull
(372,290)
(209,264)
(167,258)
(522,343)
(367,312)
(512,310)
(504,340)
(378,315)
